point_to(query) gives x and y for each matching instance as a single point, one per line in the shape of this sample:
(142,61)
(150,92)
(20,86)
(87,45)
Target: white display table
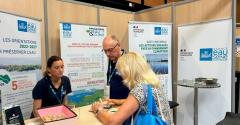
(196,85)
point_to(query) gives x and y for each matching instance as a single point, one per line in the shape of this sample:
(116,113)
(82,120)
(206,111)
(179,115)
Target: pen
(100,100)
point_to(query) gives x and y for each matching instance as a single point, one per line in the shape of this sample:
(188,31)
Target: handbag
(149,117)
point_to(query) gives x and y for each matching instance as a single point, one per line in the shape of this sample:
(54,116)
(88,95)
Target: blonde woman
(136,73)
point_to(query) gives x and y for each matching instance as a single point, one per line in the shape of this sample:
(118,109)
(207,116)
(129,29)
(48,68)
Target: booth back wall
(238,31)
(159,14)
(76,12)
(117,23)
(60,11)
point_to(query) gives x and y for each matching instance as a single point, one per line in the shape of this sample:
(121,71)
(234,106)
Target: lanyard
(53,91)
(110,77)
(111,74)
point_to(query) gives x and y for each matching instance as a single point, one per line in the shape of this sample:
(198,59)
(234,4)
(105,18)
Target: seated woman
(136,73)
(52,88)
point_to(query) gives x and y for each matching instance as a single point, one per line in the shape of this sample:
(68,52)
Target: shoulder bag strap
(150,100)
(159,104)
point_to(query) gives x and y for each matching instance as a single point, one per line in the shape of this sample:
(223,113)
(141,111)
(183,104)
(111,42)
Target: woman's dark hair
(50,61)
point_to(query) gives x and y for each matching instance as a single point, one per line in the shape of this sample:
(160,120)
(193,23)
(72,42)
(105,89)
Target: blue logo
(25,26)
(220,54)
(22,26)
(206,54)
(213,54)
(160,30)
(67,33)
(67,26)
(157,30)
(31,27)
(237,41)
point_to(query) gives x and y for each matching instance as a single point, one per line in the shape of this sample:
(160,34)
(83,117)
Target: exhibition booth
(182,42)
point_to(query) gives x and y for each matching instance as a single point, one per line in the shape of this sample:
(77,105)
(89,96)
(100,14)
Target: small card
(14,116)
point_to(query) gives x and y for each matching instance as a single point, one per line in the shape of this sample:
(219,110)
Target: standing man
(112,49)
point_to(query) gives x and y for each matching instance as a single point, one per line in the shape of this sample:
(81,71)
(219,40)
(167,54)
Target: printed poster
(205,50)
(85,62)
(20,65)
(153,41)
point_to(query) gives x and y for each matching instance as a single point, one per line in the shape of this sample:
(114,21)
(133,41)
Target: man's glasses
(110,49)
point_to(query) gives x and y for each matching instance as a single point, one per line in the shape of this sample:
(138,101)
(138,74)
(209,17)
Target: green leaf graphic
(5,79)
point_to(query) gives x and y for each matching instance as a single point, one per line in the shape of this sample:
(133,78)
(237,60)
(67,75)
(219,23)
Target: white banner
(153,41)
(205,50)
(20,55)
(85,63)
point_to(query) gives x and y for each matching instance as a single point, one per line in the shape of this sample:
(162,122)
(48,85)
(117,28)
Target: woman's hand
(96,106)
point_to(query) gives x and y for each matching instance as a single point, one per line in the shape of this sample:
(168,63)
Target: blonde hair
(134,69)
